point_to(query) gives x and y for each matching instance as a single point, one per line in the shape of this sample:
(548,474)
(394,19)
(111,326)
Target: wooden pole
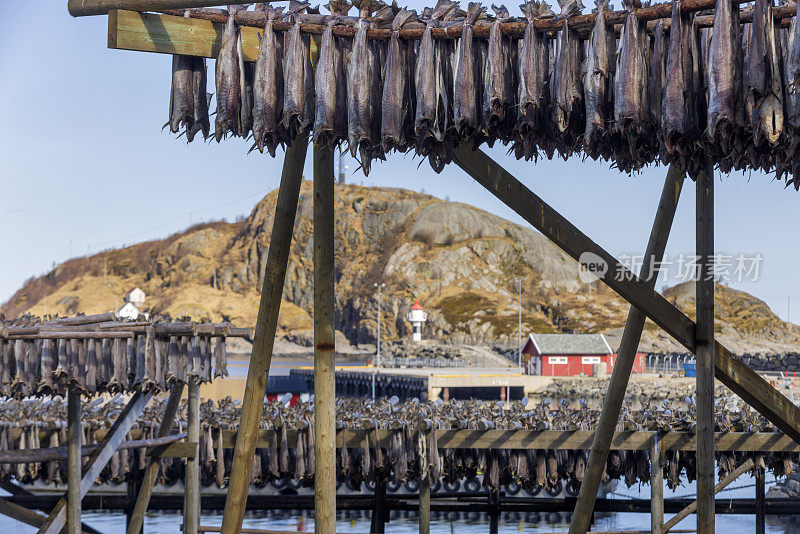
(324,345)
(721,485)
(83,8)
(264,338)
(378,525)
(73,461)
(656,487)
(705,352)
(761,510)
(191,501)
(629,346)
(424,504)
(98,459)
(151,469)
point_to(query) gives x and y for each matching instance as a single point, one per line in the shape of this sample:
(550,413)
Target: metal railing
(667,363)
(423,362)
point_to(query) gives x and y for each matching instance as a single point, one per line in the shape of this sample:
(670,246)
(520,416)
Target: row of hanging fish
(46,360)
(401,457)
(671,92)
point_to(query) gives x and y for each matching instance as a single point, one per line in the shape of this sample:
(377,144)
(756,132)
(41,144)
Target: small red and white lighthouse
(416,317)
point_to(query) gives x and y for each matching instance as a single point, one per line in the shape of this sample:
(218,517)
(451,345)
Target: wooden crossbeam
(98,460)
(731,371)
(168,34)
(548,439)
(83,8)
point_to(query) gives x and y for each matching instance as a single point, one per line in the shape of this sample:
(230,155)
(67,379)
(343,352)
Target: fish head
(501,12)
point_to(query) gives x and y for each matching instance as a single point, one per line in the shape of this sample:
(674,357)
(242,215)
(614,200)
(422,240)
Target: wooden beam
(324,345)
(656,486)
(424,504)
(704,397)
(734,373)
(264,339)
(191,496)
(83,8)
(721,485)
(548,439)
(98,459)
(21,514)
(629,346)
(170,34)
(151,469)
(761,508)
(55,454)
(74,435)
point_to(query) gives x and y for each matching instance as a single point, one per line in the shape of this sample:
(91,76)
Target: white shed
(129,311)
(136,297)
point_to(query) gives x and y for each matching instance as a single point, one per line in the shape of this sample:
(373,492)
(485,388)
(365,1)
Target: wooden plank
(424,505)
(626,354)
(761,511)
(99,458)
(21,514)
(704,397)
(549,439)
(168,34)
(83,8)
(266,324)
(721,485)
(54,454)
(324,350)
(182,449)
(756,391)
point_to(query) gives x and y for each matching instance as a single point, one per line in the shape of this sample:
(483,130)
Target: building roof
(570,343)
(416,305)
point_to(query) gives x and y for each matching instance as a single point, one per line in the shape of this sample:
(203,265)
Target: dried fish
(397,100)
(228,80)
(330,128)
(268,130)
(764,83)
(597,87)
(297,71)
(467,79)
(499,82)
(566,88)
(534,68)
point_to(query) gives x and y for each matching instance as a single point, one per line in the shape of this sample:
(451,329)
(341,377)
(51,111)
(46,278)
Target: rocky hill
(460,262)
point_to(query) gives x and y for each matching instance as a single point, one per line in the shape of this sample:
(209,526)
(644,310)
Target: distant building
(571,354)
(417,317)
(134,301)
(136,297)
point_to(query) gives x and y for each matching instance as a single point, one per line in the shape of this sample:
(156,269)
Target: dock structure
(199,34)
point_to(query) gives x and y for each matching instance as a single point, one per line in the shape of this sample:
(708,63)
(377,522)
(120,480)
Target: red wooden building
(571,354)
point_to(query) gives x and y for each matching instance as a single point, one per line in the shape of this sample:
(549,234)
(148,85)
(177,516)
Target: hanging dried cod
(499,82)
(330,124)
(268,130)
(566,88)
(364,86)
(298,77)
(534,66)
(597,91)
(188,103)
(397,105)
(468,77)
(764,85)
(228,80)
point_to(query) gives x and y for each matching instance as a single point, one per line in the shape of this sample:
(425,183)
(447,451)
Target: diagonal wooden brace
(98,459)
(267,322)
(729,370)
(615,394)
(151,470)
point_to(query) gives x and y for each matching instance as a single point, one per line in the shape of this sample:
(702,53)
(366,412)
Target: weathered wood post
(324,347)
(378,524)
(191,499)
(761,509)
(494,511)
(73,461)
(656,487)
(705,351)
(629,345)
(267,322)
(424,504)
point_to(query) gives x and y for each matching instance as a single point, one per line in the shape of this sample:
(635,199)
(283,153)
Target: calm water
(403,523)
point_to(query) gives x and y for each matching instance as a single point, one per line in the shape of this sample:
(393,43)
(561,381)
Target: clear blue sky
(85,166)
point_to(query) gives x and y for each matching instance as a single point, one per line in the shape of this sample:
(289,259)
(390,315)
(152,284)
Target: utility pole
(378,356)
(519,327)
